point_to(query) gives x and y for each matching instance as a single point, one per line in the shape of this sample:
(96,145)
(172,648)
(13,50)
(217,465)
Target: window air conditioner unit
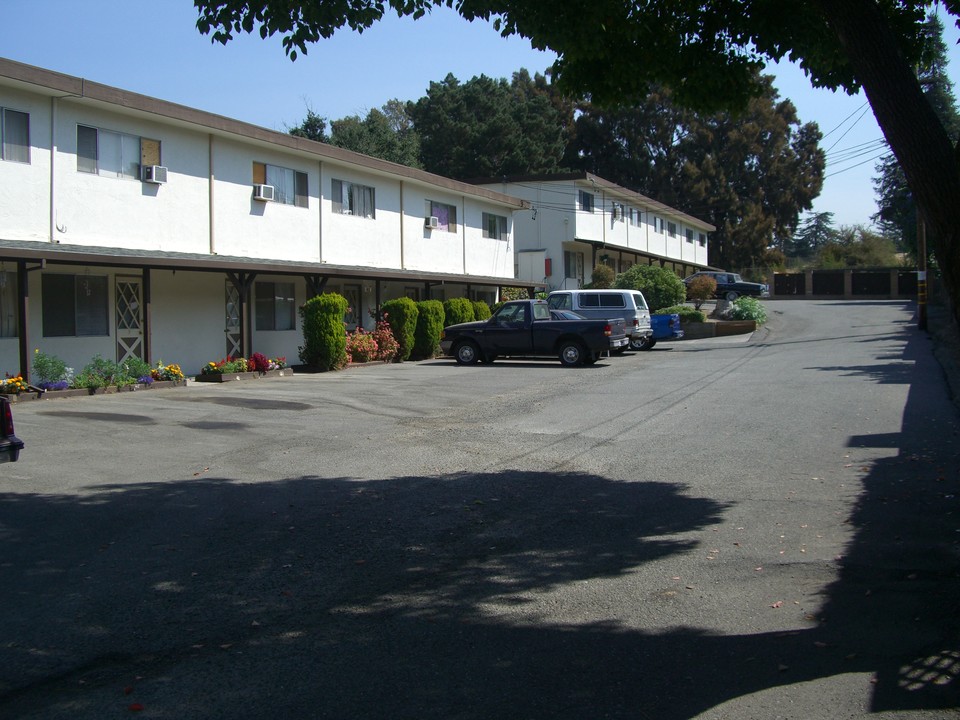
(431,222)
(156,174)
(265,193)
(617,212)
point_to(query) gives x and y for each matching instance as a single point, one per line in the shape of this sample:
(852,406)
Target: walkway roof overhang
(610,247)
(43,252)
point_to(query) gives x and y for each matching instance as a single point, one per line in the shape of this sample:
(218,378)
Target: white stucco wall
(25,194)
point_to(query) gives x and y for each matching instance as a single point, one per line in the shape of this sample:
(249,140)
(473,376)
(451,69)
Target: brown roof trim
(14,250)
(67,86)
(607,185)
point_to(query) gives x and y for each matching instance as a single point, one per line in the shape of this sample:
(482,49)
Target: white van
(604,304)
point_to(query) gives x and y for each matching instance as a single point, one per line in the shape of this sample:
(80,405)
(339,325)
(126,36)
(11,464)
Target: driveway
(750,527)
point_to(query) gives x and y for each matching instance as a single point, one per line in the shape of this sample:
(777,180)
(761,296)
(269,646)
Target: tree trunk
(908,121)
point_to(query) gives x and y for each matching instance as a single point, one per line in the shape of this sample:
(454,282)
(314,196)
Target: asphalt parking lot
(752,527)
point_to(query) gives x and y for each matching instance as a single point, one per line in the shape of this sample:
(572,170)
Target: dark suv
(730,286)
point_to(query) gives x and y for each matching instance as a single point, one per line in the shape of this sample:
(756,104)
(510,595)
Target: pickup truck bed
(524,328)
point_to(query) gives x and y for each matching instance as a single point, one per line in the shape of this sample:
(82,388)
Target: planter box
(697,330)
(84,392)
(735,327)
(230,377)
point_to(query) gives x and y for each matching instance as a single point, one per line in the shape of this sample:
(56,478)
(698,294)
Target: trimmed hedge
(401,314)
(661,287)
(686,313)
(324,338)
(458,310)
(481,311)
(430,316)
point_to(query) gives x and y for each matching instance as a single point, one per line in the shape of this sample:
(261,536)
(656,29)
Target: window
(446,215)
(703,239)
(607,300)
(114,154)
(74,305)
(353,199)
(689,236)
(289,186)
(494,226)
(275,306)
(9,311)
(15,130)
(672,229)
(586,201)
(658,225)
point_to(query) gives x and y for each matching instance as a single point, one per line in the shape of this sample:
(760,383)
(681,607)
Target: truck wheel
(487,359)
(466,353)
(591,358)
(649,344)
(643,343)
(732,295)
(571,353)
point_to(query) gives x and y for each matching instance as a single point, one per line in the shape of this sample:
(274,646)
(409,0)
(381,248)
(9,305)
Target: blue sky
(152,47)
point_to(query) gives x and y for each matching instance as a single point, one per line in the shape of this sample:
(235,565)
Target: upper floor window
(15,131)
(446,215)
(672,229)
(353,199)
(658,224)
(74,305)
(586,201)
(275,306)
(114,154)
(494,226)
(703,239)
(689,235)
(289,186)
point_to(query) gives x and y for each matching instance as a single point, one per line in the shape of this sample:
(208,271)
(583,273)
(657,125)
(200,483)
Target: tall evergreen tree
(750,174)
(488,128)
(896,214)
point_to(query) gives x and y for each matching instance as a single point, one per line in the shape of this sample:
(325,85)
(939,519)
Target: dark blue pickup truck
(665,327)
(525,328)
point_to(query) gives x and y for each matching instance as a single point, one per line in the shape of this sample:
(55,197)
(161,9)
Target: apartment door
(129,318)
(231,329)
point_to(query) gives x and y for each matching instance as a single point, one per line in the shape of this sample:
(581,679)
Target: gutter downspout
(403,186)
(211,178)
(53,167)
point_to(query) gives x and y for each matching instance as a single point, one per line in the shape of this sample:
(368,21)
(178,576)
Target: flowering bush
(278,363)
(361,346)
(258,362)
(13,385)
(227,365)
(50,372)
(387,345)
(166,372)
(101,372)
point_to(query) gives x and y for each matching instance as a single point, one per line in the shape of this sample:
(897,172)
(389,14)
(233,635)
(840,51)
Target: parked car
(10,444)
(607,303)
(525,328)
(730,286)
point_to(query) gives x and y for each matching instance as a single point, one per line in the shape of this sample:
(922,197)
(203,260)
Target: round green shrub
(660,286)
(401,315)
(748,308)
(602,277)
(324,337)
(430,316)
(457,310)
(481,311)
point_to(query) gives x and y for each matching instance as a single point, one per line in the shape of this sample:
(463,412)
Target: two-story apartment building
(134,226)
(578,221)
